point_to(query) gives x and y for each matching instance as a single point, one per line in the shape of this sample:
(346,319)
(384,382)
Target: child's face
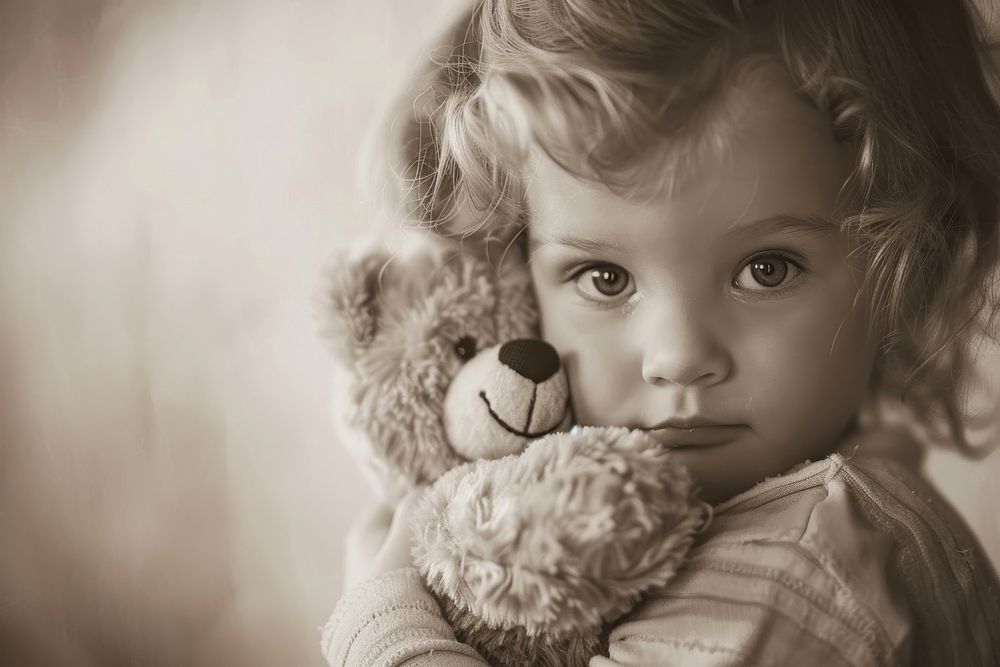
(728,305)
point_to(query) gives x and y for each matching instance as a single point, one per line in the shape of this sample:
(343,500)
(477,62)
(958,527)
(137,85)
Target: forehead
(767,153)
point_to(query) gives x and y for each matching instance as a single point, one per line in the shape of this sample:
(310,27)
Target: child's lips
(703,435)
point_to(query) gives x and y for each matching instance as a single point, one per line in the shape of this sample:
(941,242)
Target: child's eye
(603,282)
(766,272)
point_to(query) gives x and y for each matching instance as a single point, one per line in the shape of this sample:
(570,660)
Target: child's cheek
(591,347)
(809,374)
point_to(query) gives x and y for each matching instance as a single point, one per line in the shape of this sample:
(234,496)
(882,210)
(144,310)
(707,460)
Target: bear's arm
(393,620)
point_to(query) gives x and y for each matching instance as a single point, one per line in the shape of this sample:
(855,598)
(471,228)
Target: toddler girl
(746,221)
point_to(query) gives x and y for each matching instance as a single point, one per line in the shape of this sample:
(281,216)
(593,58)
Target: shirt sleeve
(393,620)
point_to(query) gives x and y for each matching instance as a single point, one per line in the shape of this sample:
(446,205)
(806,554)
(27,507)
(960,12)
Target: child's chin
(718,474)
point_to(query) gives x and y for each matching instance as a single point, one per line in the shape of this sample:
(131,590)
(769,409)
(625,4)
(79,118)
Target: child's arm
(390,618)
(393,620)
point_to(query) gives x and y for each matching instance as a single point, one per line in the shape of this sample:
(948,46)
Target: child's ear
(349,304)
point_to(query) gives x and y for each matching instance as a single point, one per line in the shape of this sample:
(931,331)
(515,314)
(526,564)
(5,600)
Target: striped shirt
(846,561)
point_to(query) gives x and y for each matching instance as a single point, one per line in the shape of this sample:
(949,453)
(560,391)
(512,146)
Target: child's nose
(530,358)
(682,349)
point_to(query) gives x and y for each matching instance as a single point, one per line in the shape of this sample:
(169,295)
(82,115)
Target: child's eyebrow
(578,242)
(785,223)
(777,224)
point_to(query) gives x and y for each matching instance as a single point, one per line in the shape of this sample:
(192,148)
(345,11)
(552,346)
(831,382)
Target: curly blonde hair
(598,84)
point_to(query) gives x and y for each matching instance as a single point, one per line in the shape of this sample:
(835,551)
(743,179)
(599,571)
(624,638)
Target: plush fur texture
(534,539)
(395,324)
(541,551)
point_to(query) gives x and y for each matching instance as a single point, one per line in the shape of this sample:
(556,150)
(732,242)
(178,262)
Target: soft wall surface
(172,176)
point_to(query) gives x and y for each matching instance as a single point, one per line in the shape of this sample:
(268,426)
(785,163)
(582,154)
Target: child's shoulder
(862,518)
(849,560)
(863,493)
(838,493)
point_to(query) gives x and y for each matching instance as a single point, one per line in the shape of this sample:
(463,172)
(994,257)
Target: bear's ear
(348,303)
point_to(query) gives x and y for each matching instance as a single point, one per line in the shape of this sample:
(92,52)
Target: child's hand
(380,542)
(395,551)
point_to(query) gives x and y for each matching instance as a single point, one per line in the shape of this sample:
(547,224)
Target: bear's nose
(530,358)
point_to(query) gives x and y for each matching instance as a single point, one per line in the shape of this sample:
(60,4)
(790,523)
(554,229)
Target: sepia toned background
(172,176)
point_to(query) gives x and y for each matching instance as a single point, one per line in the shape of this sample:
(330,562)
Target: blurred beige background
(172,175)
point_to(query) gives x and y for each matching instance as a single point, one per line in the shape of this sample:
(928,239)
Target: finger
(406,508)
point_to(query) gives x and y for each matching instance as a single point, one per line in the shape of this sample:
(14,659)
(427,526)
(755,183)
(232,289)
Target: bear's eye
(465,348)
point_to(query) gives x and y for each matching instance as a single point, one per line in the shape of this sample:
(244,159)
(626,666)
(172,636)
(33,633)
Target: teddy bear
(533,536)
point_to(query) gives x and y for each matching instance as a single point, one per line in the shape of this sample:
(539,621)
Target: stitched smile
(524,434)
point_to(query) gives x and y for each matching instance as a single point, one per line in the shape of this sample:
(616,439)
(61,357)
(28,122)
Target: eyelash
(609,302)
(764,292)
